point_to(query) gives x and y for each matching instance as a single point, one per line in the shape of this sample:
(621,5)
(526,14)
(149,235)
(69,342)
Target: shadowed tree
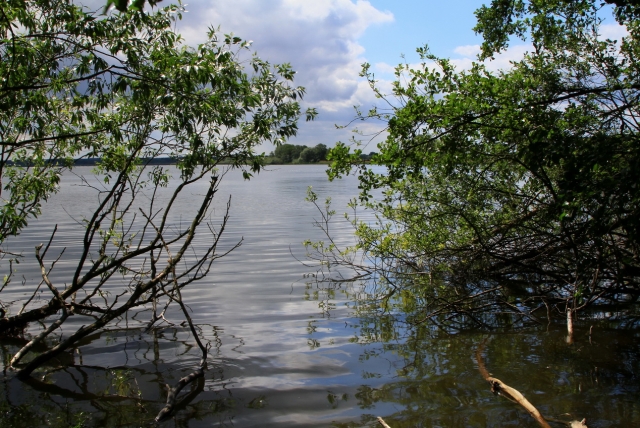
(515,190)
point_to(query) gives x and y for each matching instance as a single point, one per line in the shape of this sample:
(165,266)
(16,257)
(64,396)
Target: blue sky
(442,25)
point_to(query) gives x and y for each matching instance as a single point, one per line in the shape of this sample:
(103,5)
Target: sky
(326,41)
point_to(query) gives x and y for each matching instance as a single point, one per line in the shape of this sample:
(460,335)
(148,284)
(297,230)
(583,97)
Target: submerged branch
(173,392)
(497,386)
(176,296)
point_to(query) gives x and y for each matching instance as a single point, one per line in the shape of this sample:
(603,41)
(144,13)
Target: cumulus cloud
(468,50)
(613,31)
(319,39)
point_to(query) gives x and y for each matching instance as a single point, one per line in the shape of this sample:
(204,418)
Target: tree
(314,154)
(515,190)
(288,153)
(123,88)
(321,151)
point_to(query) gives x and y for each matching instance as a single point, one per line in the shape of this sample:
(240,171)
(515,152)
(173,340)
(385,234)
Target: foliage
(289,153)
(513,189)
(123,5)
(123,88)
(314,154)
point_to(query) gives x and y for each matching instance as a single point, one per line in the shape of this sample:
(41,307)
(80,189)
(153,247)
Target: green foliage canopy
(314,154)
(525,176)
(287,153)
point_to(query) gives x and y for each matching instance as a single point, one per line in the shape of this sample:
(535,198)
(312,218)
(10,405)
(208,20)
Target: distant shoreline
(157,161)
(94,162)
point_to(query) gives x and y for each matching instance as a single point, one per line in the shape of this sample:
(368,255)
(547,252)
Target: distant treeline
(143,161)
(94,161)
(286,153)
(289,153)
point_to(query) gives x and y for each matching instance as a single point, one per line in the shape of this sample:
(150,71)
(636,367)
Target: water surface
(288,351)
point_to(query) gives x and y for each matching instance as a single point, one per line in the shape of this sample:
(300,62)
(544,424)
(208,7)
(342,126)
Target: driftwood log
(497,386)
(382,422)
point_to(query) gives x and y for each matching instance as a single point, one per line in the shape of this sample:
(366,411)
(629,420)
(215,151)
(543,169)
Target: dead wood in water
(382,422)
(172,395)
(173,392)
(500,387)
(497,386)
(570,313)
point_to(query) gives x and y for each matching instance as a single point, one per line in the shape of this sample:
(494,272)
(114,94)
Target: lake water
(288,351)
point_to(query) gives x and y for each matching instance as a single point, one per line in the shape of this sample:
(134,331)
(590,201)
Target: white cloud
(468,50)
(321,40)
(383,67)
(613,31)
(318,38)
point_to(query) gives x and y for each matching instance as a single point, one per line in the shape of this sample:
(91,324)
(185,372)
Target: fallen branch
(497,386)
(33,342)
(173,392)
(500,387)
(382,422)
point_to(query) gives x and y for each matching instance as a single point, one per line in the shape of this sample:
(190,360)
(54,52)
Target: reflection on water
(287,351)
(429,380)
